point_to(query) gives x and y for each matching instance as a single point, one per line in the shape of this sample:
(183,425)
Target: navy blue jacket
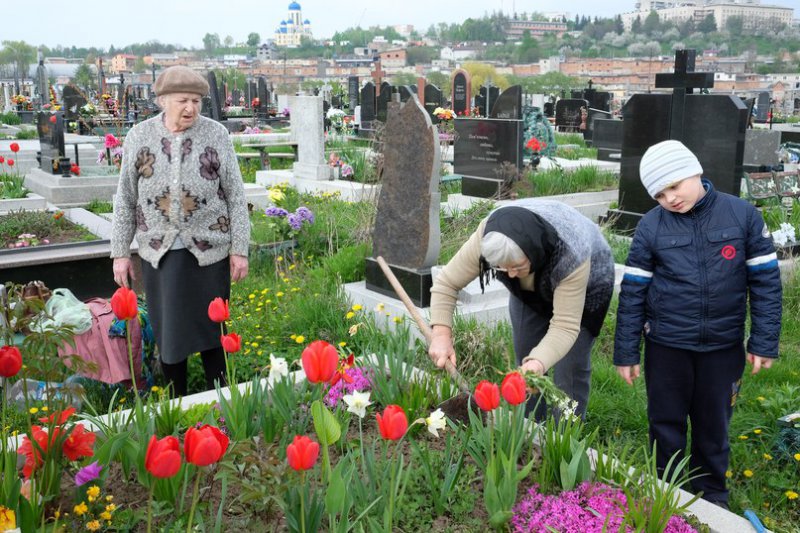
(687,279)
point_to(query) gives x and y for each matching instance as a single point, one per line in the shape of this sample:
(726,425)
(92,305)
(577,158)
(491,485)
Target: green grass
(99,206)
(556,181)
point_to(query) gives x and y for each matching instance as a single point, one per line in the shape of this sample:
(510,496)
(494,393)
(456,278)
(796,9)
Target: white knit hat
(665,164)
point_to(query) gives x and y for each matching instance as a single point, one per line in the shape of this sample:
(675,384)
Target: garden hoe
(456,408)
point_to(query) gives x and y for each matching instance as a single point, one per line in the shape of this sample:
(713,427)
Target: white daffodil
(278,368)
(357,403)
(435,422)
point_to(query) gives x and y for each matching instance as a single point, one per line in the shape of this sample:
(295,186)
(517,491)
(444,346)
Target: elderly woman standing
(181,196)
(559,272)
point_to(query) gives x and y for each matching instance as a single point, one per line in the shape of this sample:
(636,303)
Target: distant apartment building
(290,32)
(164,60)
(515,29)
(754,15)
(459,53)
(122,63)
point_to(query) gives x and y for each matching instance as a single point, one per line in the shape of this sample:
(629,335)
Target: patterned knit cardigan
(185,184)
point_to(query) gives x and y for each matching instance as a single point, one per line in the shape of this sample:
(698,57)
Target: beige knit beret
(179,79)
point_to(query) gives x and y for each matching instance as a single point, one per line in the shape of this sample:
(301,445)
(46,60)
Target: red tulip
(513,388)
(393,424)
(14,147)
(33,457)
(218,310)
(10,162)
(75,169)
(163,458)
(10,361)
(302,453)
(2,159)
(60,416)
(79,443)
(231,342)
(124,304)
(204,446)
(53,119)
(320,361)
(487,395)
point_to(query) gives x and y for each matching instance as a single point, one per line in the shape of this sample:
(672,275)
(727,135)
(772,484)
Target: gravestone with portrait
(712,126)
(461,93)
(52,155)
(569,114)
(352,93)
(74,100)
(406,231)
(482,150)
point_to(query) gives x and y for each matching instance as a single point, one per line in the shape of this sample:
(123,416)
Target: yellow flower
(279,294)
(728,474)
(251,296)
(154,388)
(291,267)
(122,400)
(293,336)
(8,519)
(80,509)
(379,308)
(357,307)
(279,258)
(768,457)
(791,495)
(397,319)
(743,437)
(110,507)
(757,431)
(300,339)
(94,525)
(285,280)
(354,328)
(761,399)
(254,344)
(748,473)
(349,315)
(44,408)
(93,491)
(105,515)
(342,344)
(797,457)
(33,410)
(275,195)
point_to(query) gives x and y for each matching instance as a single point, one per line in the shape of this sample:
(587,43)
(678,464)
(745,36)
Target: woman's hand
(123,267)
(441,349)
(533,365)
(239,267)
(629,373)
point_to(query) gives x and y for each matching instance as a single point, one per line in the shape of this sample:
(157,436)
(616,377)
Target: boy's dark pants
(702,386)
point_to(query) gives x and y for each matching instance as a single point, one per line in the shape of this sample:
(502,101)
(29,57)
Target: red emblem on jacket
(728,252)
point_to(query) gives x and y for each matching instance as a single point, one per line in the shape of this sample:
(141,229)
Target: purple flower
(305,214)
(295,221)
(361,382)
(276,212)
(88,473)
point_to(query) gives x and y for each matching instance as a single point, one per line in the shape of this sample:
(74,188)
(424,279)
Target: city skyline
(185,23)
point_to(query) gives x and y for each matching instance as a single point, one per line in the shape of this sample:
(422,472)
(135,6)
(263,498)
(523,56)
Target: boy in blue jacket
(693,263)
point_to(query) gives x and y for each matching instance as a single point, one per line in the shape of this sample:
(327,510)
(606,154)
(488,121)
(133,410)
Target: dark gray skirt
(178,293)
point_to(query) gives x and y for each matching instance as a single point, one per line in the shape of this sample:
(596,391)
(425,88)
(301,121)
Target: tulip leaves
(325,424)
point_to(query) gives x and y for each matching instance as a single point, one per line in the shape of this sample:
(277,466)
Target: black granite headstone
(263,96)
(486,98)
(548,109)
(368,105)
(433,99)
(73,102)
(568,114)
(51,141)
(252,92)
(461,94)
(762,108)
(607,138)
(508,104)
(482,145)
(352,93)
(384,98)
(213,94)
(713,128)
(406,92)
(593,114)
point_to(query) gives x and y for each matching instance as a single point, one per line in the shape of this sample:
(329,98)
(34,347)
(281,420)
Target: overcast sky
(84,23)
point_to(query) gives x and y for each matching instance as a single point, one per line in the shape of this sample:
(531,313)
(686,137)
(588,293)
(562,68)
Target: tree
(636,25)
(442,81)
(734,25)
(404,78)
(480,73)
(228,41)
(253,39)
(84,77)
(419,55)
(651,23)
(20,55)
(211,42)
(619,27)
(708,25)
(139,65)
(528,49)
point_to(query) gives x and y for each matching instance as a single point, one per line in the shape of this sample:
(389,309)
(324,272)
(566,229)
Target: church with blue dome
(291,31)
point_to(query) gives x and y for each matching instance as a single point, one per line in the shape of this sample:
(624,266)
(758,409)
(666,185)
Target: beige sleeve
(568,300)
(462,269)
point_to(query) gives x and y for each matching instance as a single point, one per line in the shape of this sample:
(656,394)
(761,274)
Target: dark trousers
(213,365)
(700,386)
(573,373)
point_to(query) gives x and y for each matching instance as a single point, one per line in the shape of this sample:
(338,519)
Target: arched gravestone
(461,92)
(407,222)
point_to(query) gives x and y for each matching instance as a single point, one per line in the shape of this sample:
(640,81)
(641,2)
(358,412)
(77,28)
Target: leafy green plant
(441,471)
(12,186)
(99,206)
(565,461)
(42,224)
